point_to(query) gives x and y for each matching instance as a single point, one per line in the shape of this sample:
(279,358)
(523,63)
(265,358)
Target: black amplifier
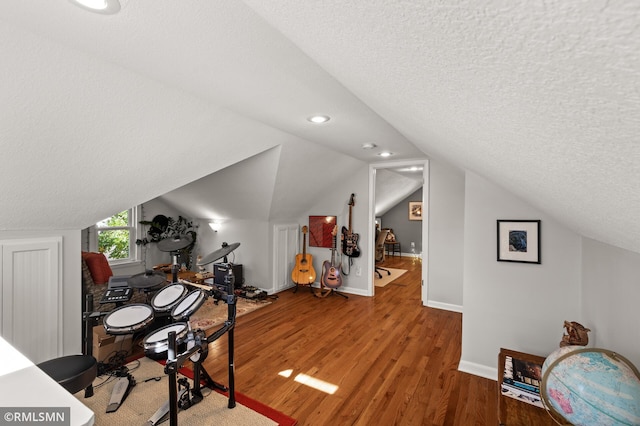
(221,269)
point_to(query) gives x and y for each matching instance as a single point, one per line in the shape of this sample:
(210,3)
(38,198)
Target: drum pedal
(184,401)
(121,390)
(163,411)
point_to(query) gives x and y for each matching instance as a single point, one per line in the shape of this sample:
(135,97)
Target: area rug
(210,315)
(152,390)
(386,279)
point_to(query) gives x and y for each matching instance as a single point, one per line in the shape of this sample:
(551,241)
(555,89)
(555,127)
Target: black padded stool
(72,372)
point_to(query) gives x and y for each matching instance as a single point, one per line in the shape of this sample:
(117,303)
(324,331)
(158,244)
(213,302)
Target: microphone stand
(175,360)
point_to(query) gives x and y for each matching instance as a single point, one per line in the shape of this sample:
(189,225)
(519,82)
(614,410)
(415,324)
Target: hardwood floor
(391,360)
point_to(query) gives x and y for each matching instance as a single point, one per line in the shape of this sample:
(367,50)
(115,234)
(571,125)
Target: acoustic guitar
(303,273)
(349,238)
(331,271)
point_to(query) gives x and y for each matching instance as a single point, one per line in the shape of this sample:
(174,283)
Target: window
(116,236)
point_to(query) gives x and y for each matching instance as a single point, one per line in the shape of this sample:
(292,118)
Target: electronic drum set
(175,342)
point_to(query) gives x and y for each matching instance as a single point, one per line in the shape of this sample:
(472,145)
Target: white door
(285,248)
(31,288)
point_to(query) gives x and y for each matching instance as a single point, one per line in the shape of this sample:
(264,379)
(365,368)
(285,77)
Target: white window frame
(135,229)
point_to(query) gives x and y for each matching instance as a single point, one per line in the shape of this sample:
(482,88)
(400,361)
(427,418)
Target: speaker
(221,269)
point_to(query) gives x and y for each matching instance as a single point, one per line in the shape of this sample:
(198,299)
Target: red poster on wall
(320,229)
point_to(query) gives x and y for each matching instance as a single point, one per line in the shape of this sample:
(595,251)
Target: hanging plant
(163,227)
(157,227)
(180,226)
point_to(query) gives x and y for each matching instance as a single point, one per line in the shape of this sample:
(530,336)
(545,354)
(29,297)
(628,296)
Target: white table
(23,384)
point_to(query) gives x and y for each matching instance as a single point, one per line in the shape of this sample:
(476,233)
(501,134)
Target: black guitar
(349,238)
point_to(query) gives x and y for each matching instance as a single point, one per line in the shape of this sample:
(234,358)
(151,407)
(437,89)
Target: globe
(586,386)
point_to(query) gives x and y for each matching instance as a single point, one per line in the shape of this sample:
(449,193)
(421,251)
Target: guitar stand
(303,285)
(339,294)
(323,292)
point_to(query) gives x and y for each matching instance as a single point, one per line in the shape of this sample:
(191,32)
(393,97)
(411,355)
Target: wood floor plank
(394,361)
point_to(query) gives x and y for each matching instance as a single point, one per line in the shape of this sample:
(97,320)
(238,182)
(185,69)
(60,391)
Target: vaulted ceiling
(541,98)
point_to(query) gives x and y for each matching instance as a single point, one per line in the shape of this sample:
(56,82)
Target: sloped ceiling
(161,94)
(541,98)
(242,191)
(278,184)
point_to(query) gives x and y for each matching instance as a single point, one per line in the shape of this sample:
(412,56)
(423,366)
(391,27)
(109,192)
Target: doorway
(397,165)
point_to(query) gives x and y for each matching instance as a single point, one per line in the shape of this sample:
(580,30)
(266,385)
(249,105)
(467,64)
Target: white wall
(513,305)
(405,230)
(446,236)
(254,252)
(611,291)
(255,237)
(72,284)
(335,203)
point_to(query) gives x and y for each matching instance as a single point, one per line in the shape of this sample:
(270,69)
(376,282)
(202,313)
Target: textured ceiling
(541,98)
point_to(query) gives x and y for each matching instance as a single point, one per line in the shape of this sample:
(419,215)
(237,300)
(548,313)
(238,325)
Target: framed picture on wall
(519,241)
(320,231)
(415,210)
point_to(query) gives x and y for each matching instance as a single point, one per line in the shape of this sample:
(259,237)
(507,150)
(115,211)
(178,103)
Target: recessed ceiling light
(106,7)
(319,119)
(385,154)
(368,145)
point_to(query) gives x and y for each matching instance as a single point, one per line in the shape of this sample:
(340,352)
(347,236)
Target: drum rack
(197,343)
(200,349)
(197,346)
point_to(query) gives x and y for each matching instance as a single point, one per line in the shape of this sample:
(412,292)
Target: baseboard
(410,255)
(347,290)
(342,289)
(445,306)
(478,370)
(356,291)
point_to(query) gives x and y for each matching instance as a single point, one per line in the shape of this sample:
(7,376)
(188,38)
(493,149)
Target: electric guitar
(331,271)
(350,239)
(303,273)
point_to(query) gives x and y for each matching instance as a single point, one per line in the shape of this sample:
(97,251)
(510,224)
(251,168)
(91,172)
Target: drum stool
(72,372)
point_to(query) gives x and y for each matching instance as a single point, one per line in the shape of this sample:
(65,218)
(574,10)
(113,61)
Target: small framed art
(415,210)
(519,241)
